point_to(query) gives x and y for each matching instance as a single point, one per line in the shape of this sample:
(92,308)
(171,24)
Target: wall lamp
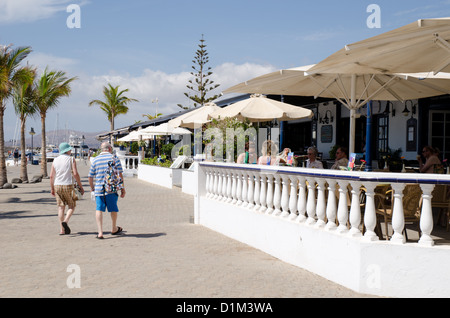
(405,112)
(388,110)
(326,119)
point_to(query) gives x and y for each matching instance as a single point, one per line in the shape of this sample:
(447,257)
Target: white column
(238,187)
(293,198)
(321,204)
(398,217)
(331,205)
(311,201)
(244,189)
(355,210)
(224,185)
(342,213)
(216,183)
(426,215)
(277,194)
(285,196)
(229,185)
(257,191)
(208,177)
(263,194)
(370,216)
(270,194)
(301,203)
(219,185)
(233,188)
(251,190)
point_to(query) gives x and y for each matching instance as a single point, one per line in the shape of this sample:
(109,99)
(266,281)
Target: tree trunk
(23,157)
(111,138)
(43,148)
(3,173)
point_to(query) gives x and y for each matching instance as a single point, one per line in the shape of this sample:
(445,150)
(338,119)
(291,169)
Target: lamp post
(32,133)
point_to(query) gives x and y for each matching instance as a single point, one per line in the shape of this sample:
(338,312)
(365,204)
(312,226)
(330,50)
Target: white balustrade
(305,196)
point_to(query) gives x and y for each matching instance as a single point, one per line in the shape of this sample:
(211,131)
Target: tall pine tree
(200,85)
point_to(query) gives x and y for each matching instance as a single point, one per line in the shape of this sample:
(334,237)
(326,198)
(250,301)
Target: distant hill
(56,137)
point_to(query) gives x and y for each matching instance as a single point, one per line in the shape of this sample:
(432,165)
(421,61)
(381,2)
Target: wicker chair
(412,204)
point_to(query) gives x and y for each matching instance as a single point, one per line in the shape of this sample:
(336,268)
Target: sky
(147,46)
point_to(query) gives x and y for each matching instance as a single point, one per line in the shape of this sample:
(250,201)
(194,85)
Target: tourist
(341,159)
(269,153)
(103,199)
(64,169)
(16,156)
(312,161)
(249,156)
(431,160)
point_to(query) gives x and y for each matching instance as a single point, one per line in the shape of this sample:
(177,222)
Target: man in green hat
(64,169)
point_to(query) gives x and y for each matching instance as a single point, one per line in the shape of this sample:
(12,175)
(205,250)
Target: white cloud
(12,11)
(75,114)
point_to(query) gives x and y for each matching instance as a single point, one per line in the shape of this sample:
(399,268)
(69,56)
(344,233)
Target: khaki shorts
(64,195)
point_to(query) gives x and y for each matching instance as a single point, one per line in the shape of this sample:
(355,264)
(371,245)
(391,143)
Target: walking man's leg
(99,219)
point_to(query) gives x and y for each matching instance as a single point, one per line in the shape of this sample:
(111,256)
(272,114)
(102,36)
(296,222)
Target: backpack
(113,181)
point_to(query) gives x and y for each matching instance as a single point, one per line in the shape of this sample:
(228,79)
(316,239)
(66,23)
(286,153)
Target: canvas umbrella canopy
(194,118)
(352,90)
(259,108)
(421,46)
(132,136)
(163,130)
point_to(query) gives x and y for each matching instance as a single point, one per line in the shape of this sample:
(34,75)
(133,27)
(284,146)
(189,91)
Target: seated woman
(269,154)
(312,156)
(341,159)
(283,157)
(431,159)
(249,156)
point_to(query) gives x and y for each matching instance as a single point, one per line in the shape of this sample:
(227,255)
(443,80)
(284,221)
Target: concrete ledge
(379,268)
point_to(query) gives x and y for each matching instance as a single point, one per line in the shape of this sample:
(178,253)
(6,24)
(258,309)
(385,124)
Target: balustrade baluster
(331,205)
(293,198)
(229,180)
(301,203)
(219,185)
(270,194)
(233,188)
(216,183)
(244,189)
(285,196)
(257,191)
(224,185)
(342,213)
(277,195)
(251,190)
(311,201)
(239,188)
(398,217)
(208,177)
(426,215)
(321,204)
(355,210)
(370,217)
(263,194)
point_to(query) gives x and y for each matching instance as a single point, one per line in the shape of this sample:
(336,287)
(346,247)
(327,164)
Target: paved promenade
(161,253)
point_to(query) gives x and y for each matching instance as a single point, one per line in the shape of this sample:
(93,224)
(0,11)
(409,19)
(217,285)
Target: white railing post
(277,195)
(224,184)
(229,186)
(426,215)
(239,187)
(321,204)
(398,218)
(370,217)
(263,193)
(355,210)
(216,183)
(207,182)
(331,205)
(244,189)
(233,188)
(285,196)
(251,190)
(311,201)
(301,203)
(270,194)
(293,198)
(342,213)
(256,194)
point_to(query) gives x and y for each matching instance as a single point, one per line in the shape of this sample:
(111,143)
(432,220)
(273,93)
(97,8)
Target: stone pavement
(161,253)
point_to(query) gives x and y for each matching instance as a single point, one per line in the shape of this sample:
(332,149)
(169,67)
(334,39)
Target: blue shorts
(109,201)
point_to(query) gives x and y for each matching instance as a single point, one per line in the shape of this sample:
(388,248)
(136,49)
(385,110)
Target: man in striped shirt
(105,200)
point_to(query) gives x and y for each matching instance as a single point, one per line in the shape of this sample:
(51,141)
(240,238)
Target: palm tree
(52,85)
(11,74)
(23,100)
(150,117)
(115,103)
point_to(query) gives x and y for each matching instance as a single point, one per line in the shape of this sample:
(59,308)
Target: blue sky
(147,46)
